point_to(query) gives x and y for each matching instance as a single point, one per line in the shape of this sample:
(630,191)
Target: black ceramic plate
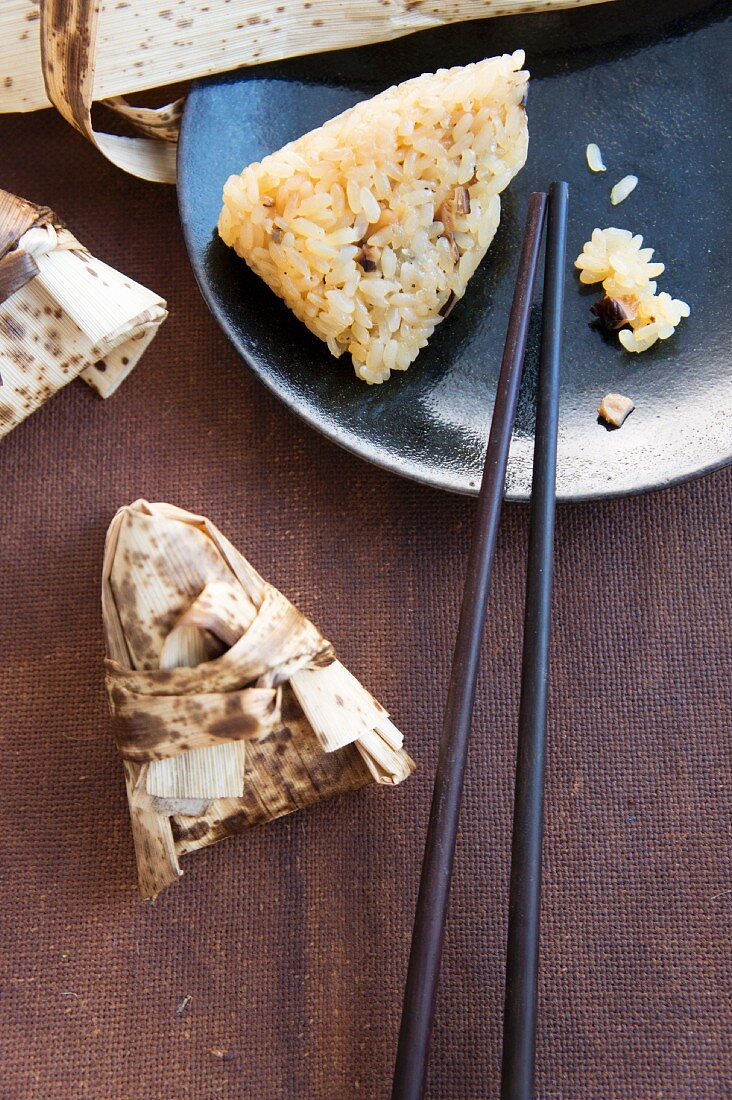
(650,83)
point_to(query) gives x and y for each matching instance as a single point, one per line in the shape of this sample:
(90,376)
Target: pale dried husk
(260,689)
(72,54)
(63,313)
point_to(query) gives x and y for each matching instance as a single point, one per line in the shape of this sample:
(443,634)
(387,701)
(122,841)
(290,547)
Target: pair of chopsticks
(429,924)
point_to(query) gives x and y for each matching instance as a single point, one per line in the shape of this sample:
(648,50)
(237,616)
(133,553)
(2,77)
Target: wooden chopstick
(429,923)
(519,1033)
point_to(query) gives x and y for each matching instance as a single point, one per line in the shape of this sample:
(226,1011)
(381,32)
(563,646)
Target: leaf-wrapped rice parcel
(229,707)
(63,313)
(370,227)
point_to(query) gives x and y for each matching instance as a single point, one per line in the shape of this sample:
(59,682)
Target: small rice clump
(616,258)
(370,227)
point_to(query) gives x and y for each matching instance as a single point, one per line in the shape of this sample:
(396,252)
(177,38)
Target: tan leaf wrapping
(261,690)
(63,313)
(74,52)
(68,44)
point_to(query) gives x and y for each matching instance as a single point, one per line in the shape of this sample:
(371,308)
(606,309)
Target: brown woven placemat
(291,941)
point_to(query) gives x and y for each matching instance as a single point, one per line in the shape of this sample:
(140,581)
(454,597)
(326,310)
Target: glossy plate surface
(651,85)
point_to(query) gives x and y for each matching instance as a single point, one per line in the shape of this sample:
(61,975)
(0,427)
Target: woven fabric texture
(274,969)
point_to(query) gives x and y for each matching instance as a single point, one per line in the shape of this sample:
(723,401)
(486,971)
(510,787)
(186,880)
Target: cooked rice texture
(372,225)
(616,258)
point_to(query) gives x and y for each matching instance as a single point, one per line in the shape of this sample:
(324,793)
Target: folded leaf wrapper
(63,313)
(74,54)
(229,707)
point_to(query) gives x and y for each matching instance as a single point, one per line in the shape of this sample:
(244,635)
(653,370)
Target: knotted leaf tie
(18,264)
(163,712)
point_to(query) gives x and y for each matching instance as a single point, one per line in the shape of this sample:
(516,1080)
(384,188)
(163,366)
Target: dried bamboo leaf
(155,851)
(68,42)
(286,771)
(84,50)
(252,655)
(155,847)
(158,575)
(198,772)
(327,695)
(142,725)
(63,313)
(213,622)
(386,764)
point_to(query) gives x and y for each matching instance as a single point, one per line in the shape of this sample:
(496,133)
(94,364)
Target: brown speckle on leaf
(32,16)
(8,82)
(101,365)
(191,832)
(236,728)
(12,328)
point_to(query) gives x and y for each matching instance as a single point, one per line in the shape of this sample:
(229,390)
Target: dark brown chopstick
(522,960)
(429,923)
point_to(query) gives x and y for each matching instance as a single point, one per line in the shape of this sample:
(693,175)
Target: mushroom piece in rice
(370,227)
(614,408)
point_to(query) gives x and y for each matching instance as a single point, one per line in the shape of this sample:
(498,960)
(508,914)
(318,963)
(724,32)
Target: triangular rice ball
(371,226)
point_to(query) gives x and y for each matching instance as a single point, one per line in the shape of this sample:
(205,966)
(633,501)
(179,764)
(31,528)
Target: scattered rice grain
(622,189)
(594,158)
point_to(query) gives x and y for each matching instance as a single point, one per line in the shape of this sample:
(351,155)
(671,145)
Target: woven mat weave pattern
(291,942)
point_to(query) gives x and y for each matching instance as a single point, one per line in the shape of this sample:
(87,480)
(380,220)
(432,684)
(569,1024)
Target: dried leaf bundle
(229,707)
(63,313)
(73,54)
